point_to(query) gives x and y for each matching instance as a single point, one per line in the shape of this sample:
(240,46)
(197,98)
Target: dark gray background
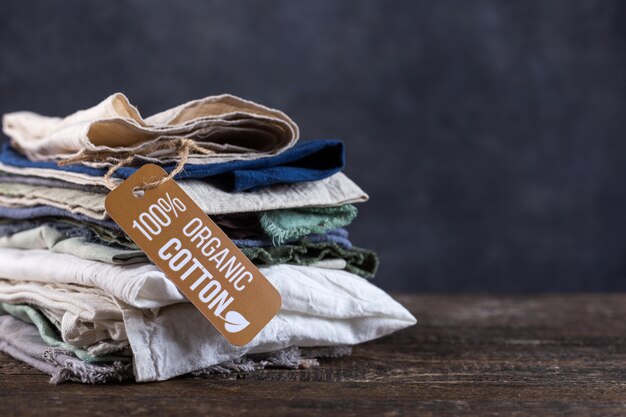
(489,134)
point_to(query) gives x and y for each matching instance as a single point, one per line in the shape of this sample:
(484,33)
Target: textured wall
(489,134)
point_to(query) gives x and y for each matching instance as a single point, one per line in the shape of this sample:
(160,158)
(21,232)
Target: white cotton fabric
(227,126)
(333,191)
(321,307)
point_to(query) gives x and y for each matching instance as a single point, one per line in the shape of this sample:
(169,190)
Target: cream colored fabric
(333,191)
(230,127)
(168,335)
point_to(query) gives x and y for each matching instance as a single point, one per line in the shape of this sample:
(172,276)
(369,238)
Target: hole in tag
(138,192)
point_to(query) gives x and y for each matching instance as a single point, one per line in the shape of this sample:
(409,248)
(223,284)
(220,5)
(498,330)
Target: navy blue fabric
(306,161)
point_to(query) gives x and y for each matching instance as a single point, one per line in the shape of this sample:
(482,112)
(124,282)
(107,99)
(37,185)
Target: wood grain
(468,355)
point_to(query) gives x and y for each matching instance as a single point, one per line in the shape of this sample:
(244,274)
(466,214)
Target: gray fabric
(289,358)
(23,342)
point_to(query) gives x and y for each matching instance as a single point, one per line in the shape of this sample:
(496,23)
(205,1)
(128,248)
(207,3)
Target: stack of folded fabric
(81,302)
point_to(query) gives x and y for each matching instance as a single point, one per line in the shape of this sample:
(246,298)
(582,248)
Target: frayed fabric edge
(289,358)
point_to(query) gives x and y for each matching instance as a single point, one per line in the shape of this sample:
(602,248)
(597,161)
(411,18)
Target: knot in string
(182,147)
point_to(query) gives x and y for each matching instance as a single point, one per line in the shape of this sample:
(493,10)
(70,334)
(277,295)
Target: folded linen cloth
(320,307)
(92,233)
(139,285)
(85,316)
(46,237)
(19,339)
(23,342)
(333,191)
(358,261)
(306,161)
(228,127)
(50,335)
(245,231)
(70,227)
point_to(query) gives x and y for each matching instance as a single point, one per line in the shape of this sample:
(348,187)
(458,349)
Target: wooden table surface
(468,355)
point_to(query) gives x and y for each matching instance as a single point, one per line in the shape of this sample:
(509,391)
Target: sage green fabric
(359,261)
(284,225)
(50,334)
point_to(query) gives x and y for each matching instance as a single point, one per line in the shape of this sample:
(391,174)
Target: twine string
(182,147)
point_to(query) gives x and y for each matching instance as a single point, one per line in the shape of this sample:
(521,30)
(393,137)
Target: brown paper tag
(195,254)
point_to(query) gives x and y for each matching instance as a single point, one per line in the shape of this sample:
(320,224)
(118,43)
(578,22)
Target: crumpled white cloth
(321,307)
(230,127)
(333,191)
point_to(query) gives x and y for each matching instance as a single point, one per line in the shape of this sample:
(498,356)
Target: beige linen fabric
(227,126)
(333,191)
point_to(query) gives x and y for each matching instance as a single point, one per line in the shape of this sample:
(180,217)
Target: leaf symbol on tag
(235,322)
